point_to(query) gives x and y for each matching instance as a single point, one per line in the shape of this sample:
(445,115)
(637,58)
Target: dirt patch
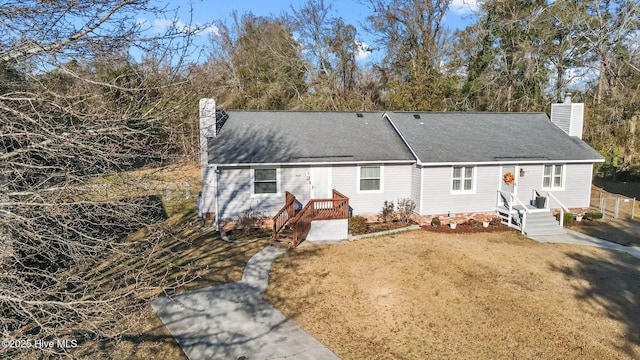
(498,295)
(380,226)
(470,227)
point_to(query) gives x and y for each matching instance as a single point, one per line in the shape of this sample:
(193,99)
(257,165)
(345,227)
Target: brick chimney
(568,116)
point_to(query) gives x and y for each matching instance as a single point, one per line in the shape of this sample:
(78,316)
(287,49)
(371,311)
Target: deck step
(542,224)
(537,222)
(544,231)
(282,243)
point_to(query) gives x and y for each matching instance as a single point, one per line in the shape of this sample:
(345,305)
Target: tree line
(515,56)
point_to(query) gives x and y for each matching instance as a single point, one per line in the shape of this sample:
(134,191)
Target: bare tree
(417,45)
(77,103)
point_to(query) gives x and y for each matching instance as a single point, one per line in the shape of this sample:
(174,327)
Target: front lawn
(421,295)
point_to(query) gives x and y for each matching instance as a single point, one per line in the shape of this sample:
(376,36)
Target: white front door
(320,180)
(508,183)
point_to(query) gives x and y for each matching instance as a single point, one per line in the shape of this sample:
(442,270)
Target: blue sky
(352,11)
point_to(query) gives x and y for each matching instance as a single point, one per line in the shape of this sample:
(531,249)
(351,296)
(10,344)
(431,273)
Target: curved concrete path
(576,238)
(232,321)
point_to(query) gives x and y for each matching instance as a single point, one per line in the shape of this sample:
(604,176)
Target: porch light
(521,172)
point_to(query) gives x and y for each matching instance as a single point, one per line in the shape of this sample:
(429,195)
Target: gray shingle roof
(452,137)
(304,137)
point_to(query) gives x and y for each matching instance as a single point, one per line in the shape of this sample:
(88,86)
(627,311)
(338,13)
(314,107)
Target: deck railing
(548,206)
(318,209)
(507,200)
(287,212)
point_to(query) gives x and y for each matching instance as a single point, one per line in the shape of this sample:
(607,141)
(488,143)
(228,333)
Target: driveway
(574,237)
(231,321)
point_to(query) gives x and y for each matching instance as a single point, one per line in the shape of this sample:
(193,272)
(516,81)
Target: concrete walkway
(574,237)
(232,321)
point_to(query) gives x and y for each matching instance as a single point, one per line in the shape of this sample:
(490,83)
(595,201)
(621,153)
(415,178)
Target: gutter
(315,163)
(216,208)
(515,162)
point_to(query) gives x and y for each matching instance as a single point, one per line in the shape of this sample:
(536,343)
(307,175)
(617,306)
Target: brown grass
(426,295)
(191,260)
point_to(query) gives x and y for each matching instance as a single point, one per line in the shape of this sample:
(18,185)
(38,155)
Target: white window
(370,178)
(462,179)
(265,181)
(553,177)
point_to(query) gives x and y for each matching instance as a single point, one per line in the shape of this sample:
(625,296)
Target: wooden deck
(291,226)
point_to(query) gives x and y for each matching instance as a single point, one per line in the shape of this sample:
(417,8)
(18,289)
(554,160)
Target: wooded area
(88,91)
(516,56)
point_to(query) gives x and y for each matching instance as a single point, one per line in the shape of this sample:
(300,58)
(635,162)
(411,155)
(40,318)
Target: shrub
(474,223)
(406,207)
(593,215)
(568,218)
(357,225)
(435,221)
(388,212)
(249,220)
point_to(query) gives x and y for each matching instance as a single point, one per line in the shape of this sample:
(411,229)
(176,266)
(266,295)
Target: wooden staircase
(291,226)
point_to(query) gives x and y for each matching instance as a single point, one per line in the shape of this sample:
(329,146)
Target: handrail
(336,194)
(535,193)
(520,202)
(562,207)
(318,209)
(281,218)
(511,199)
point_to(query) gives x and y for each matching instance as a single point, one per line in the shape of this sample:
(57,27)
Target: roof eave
(509,162)
(308,163)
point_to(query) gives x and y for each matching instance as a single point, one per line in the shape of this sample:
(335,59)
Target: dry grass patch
(426,295)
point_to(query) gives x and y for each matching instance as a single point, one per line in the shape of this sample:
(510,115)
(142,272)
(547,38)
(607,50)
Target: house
(450,163)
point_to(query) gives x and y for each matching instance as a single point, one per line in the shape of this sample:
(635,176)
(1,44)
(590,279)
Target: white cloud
(463,7)
(210,30)
(364,50)
(161,25)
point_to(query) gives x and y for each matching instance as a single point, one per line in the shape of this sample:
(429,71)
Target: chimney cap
(567,98)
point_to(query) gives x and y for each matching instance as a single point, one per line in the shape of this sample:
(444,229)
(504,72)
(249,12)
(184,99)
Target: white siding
(399,181)
(208,190)
(568,117)
(532,179)
(561,116)
(438,199)
(577,184)
(396,185)
(415,186)
(235,191)
(294,180)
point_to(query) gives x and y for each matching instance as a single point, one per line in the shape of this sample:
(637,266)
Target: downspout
(216,172)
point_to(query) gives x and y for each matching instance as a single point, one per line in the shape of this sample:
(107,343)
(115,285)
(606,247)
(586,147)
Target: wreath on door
(509,178)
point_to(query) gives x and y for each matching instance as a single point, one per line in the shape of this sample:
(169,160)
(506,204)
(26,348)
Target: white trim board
(513,162)
(408,162)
